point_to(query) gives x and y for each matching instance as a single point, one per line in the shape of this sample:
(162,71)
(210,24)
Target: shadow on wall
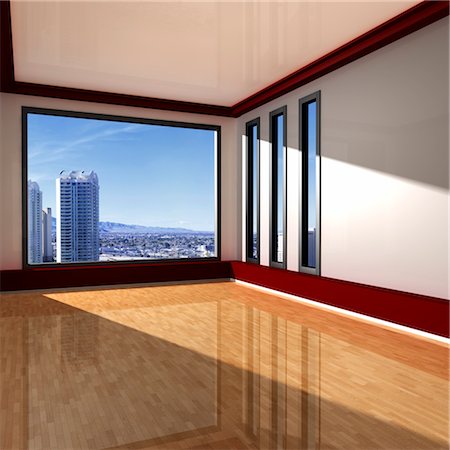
(415,151)
(93,382)
(389,111)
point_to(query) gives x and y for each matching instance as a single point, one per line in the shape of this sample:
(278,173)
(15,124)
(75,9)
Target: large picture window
(309,113)
(103,188)
(278,135)
(252,235)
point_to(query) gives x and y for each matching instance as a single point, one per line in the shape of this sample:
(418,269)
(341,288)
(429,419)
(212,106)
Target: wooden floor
(211,366)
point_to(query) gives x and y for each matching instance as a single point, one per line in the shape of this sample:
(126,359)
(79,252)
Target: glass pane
(255,191)
(280,191)
(312,216)
(105,190)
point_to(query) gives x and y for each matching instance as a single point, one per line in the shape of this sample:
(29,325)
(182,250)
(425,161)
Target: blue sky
(312,144)
(148,174)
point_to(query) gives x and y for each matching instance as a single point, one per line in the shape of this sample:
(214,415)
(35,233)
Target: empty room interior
(224,225)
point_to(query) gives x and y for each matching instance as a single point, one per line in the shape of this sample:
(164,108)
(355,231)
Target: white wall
(11,168)
(385,167)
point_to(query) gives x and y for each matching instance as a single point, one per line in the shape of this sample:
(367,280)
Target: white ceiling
(214,52)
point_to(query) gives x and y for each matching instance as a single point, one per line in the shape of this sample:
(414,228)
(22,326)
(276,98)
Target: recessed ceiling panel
(206,52)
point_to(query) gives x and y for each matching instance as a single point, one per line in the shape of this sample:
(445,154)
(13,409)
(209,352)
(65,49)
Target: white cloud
(52,151)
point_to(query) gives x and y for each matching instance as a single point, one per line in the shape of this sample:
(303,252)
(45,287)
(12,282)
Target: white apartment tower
(34,223)
(77,217)
(47,247)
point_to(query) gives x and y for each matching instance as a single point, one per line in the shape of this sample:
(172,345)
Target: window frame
(273,217)
(303,197)
(127,119)
(249,191)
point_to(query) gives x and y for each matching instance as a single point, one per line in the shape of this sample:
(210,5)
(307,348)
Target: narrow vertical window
(278,188)
(252,131)
(310,184)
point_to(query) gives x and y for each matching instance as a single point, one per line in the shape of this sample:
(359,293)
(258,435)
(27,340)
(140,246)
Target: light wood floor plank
(211,366)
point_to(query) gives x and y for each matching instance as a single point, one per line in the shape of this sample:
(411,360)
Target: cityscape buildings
(311,248)
(77,235)
(47,247)
(34,223)
(77,216)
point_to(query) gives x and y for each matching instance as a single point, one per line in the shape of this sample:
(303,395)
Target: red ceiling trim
(10,85)
(411,20)
(405,23)
(84,95)
(6,55)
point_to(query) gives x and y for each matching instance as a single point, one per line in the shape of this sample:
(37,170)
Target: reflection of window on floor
(79,338)
(281,382)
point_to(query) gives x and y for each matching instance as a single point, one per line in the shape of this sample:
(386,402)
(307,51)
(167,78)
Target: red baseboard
(416,311)
(49,278)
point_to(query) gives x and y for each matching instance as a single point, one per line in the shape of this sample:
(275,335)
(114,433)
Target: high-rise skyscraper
(47,248)
(77,217)
(34,223)
(312,247)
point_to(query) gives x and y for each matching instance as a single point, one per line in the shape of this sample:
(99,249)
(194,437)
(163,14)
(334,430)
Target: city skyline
(171,168)
(49,219)
(78,237)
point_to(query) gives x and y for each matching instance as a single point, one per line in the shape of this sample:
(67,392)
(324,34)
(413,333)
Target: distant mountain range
(114,227)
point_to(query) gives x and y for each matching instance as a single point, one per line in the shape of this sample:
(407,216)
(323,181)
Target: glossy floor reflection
(211,366)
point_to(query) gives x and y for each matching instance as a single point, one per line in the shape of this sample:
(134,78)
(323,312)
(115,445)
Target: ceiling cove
(21,77)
